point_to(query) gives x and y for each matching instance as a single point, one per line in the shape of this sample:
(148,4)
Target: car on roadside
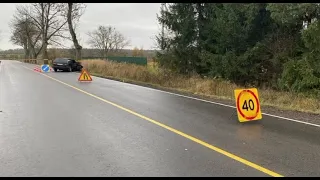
(66,64)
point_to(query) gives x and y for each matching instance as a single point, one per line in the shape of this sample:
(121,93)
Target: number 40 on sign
(248,105)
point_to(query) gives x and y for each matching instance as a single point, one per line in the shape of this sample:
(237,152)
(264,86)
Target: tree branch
(56,30)
(59,43)
(61,36)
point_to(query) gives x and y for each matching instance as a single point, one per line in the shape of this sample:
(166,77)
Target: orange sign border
(85,71)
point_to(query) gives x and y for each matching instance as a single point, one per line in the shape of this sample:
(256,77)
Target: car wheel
(55,69)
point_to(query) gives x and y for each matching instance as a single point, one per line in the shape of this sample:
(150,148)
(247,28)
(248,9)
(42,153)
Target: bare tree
(107,39)
(74,12)
(19,38)
(25,34)
(49,20)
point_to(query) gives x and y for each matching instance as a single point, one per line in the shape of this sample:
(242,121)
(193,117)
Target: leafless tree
(74,12)
(25,34)
(49,20)
(107,39)
(19,38)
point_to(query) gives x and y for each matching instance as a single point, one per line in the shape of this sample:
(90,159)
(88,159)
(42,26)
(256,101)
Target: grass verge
(212,88)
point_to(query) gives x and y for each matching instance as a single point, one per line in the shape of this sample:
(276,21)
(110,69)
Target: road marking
(212,102)
(214,148)
(216,103)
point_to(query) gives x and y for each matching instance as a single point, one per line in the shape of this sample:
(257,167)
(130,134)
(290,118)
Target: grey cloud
(137,21)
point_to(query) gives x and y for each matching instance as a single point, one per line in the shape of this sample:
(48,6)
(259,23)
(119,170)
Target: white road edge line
(216,103)
(212,102)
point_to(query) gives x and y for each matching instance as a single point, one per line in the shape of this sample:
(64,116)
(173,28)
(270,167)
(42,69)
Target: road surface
(53,125)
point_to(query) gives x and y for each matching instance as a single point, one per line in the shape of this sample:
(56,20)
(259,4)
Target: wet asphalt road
(50,129)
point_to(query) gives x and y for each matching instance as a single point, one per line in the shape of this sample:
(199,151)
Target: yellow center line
(214,148)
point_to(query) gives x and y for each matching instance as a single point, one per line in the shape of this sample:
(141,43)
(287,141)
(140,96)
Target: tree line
(269,45)
(86,53)
(35,26)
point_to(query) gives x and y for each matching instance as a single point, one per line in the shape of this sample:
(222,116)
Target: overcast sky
(137,21)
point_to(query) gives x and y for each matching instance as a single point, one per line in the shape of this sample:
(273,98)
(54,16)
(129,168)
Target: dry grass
(196,85)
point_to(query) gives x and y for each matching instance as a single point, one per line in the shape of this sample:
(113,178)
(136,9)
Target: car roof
(64,58)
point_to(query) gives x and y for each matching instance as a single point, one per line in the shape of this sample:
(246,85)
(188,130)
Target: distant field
(59,52)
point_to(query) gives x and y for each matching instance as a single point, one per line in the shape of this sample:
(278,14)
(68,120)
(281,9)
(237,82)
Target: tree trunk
(31,51)
(72,33)
(78,54)
(26,51)
(45,50)
(105,54)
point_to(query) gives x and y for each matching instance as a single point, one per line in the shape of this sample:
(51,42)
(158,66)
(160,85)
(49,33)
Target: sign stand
(231,115)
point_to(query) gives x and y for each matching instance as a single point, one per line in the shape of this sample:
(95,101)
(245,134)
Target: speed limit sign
(248,105)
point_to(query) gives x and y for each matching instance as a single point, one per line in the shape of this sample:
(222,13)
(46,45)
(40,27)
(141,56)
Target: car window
(60,60)
(72,60)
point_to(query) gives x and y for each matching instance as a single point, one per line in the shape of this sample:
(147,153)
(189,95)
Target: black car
(66,64)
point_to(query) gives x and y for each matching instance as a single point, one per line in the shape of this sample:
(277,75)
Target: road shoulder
(296,115)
